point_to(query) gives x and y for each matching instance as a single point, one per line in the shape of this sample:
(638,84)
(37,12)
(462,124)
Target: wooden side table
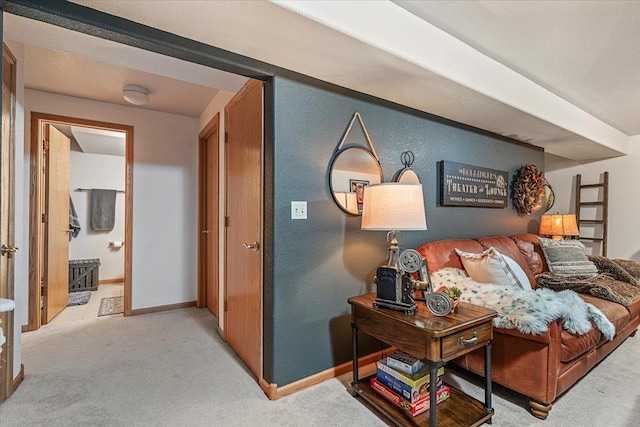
(437,339)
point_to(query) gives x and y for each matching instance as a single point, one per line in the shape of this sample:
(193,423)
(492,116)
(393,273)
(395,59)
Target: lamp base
(399,306)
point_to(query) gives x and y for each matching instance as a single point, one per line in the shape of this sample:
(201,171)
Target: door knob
(205,231)
(253,246)
(8,250)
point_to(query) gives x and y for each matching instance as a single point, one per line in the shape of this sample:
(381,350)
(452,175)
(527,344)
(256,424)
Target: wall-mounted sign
(468,185)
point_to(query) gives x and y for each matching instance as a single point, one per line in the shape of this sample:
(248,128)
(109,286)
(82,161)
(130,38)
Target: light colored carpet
(172,369)
(111,305)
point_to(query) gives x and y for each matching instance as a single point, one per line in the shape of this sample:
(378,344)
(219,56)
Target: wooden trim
(7,289)
(274,392)
(156,309)
(241,93)
(35,224)
(110,281)
(37,209)
(211,127)
(270,389)
(202,218)
(19,378)
(128,224)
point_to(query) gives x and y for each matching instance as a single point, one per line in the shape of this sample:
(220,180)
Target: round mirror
(406,175)
(549,196)
(351,170)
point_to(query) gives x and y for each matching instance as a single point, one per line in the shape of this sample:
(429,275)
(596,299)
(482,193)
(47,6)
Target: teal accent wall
(320,262)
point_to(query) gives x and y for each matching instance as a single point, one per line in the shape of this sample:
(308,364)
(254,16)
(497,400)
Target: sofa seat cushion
(574,346)
(616,313)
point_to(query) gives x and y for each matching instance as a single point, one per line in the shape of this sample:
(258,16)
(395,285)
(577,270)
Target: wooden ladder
(604,202)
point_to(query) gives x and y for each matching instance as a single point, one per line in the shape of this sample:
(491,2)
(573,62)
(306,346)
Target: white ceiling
(561,74)
(70,63)
(585,51)
(100,141)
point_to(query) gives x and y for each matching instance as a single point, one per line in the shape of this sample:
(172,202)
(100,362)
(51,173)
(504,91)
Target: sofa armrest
(524,363)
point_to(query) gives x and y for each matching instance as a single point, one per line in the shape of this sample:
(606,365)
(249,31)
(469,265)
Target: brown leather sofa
(541,367)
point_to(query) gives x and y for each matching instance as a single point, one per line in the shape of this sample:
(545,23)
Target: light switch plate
(298,210)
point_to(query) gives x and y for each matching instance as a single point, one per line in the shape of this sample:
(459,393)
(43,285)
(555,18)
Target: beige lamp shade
(559,226)
(393,206)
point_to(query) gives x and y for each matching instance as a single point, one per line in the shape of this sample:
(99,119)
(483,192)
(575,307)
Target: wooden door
(209,213)
(7,199)
(243,272)
(56,240)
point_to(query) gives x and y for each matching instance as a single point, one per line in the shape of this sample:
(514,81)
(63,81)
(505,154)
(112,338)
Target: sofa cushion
(506,246)
(491,266)
(616,313)
(567,258)
(573,346)
(529,246)
(441,254)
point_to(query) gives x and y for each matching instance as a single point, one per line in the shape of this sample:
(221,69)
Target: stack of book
(404,381)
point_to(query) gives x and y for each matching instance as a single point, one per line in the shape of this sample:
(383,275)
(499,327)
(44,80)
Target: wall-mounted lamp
(558,226)
(136,95)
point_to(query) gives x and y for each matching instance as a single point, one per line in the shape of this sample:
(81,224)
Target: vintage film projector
(396,286)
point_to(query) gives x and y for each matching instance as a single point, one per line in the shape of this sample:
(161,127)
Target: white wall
(216,106)
(164,195)
(97,171)
(624,198)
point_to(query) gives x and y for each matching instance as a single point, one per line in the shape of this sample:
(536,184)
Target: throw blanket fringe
(527,311)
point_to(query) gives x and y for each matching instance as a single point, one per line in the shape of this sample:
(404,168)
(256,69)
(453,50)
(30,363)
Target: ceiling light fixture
(136,95)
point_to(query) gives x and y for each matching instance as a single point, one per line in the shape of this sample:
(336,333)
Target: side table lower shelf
(459,409)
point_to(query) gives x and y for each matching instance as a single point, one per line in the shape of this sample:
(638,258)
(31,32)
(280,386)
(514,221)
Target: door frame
(7,380)
(203,249)
(36,208)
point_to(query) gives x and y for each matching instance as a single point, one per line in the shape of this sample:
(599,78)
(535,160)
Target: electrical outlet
(298,210)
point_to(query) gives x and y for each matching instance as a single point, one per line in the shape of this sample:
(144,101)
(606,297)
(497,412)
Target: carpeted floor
(172,369)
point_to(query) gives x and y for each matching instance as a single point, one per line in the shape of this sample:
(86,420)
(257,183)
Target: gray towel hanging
(74,224)
(103,209)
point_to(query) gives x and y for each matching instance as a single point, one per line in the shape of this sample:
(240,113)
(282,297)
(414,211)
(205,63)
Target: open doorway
(79,180)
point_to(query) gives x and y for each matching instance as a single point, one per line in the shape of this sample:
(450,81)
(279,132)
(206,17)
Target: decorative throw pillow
(567,258)
(491,266)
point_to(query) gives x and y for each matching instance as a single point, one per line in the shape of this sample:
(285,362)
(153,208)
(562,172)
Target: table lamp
(558,226)
(393,207)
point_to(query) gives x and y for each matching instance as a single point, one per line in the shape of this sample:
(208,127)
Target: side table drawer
(463,340)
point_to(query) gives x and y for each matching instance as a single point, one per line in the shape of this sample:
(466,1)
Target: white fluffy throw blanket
(527,311)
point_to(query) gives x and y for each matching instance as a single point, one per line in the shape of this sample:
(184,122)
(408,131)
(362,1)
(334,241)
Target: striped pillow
(567,258)
(493,267)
